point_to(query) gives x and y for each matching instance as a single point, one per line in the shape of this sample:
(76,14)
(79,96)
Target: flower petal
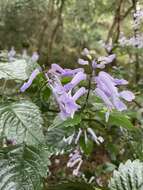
(76,79)
(120,81)
(29,82)
(119,105)
(79,93)
(105,98)
(127,95)
(82,62)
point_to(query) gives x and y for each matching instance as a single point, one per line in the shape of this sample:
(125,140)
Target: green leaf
(45,94)
(58,130)
(70,122)
(14,70)
(109,167)
(86,147)
(23,167)
(120,119)
(21,121)
(66,80)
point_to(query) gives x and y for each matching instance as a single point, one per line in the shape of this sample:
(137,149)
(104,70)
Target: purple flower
(105,83)
(76,80)
(66,101)
(118,104)
(127,95)
(82,62)
(70,72)
(120,81)
(96,65)
(102,61)
(75,157)
(67,105)
(79,93)
(59,71)
(107,90)
(75,160)
(107,59)
(100,93)
(30,80)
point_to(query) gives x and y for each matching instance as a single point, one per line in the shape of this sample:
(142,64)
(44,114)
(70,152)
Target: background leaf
(119,119)
(14,70)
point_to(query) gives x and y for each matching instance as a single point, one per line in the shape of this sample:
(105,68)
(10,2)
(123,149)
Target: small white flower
(78,136)
(76,171)
(101,139)
(92,133)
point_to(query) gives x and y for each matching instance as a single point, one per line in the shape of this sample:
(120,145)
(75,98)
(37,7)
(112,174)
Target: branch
(53,36)
(137,103)
(126,13)
(137,65)
(118,18)
(88,93)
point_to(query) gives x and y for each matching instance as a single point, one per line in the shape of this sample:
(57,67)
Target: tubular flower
(67,106)
(82,62)
(30,80)
(107,90)
(103,61)
(67,103)
(107,59)
(63,94)
(59,71)
(100,63)
(76,79)
(96,139)
(75,160)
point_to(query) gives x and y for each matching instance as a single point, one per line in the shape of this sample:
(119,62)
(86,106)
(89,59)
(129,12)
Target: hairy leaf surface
(22,122)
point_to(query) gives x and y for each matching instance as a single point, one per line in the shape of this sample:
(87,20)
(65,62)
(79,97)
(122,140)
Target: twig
(137,103)
(88,93)
(137,65)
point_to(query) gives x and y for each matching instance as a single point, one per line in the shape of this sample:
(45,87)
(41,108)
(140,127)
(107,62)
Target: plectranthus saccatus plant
(100,84)
(76,97)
